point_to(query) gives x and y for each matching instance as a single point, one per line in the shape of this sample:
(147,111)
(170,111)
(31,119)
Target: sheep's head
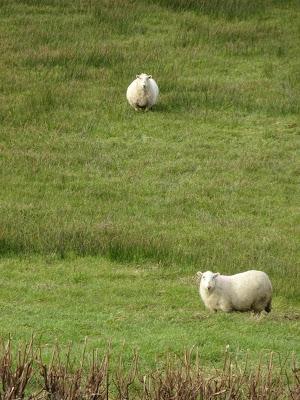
(208,280)
(143,80)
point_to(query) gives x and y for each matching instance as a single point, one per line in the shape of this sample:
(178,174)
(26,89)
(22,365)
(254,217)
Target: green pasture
(147,307)
(106,214)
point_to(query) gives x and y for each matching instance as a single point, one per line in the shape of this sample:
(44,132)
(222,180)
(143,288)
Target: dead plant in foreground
(25,375)
(15,371)
(61,381)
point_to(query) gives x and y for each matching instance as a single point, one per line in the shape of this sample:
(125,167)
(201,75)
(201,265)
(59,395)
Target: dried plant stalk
(180,378)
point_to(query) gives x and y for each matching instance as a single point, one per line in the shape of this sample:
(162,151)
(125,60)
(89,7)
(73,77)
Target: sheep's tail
(268,306)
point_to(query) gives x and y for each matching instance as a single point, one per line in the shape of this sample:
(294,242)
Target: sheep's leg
(226,306)
(141,108)
(260,305)
(268,306)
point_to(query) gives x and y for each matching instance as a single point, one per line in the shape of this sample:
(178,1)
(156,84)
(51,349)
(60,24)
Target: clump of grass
(218,8)
(179,378)
(116,16)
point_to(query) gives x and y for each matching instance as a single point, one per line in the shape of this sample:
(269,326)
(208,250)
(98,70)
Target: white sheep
(142,93)
(250,290)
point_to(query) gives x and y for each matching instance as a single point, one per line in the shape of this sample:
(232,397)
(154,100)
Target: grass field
(106,214)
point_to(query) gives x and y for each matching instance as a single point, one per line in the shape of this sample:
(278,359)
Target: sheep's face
(143,80)
(208,280)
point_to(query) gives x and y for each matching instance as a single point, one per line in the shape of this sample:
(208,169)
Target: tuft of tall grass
(218,8)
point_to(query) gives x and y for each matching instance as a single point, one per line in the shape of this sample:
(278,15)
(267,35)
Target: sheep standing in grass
(142,93)
(250,290)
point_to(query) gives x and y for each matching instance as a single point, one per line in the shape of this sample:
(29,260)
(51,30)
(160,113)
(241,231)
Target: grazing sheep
(142,93)
(250,290)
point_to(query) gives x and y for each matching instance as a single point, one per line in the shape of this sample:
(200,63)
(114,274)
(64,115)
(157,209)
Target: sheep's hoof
(141,107)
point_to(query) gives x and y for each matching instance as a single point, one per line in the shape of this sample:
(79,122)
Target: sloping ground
(212,168)
(207,180)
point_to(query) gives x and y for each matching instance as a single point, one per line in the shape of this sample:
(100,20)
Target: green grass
(147,307)
(94,194)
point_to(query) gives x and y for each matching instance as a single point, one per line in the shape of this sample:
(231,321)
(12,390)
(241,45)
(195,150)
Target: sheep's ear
(199,274)
(137,76)
(150,76)
(216,274)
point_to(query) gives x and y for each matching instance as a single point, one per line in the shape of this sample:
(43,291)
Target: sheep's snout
(209,288)
(208,284)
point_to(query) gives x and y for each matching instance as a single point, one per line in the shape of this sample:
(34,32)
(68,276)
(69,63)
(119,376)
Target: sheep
(246,291)
(142,93)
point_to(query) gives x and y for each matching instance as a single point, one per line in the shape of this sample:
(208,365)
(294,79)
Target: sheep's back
(154,89)
(250,279)
(244,288)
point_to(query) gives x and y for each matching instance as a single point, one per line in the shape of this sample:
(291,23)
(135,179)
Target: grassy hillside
(147,307)
(207,180)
